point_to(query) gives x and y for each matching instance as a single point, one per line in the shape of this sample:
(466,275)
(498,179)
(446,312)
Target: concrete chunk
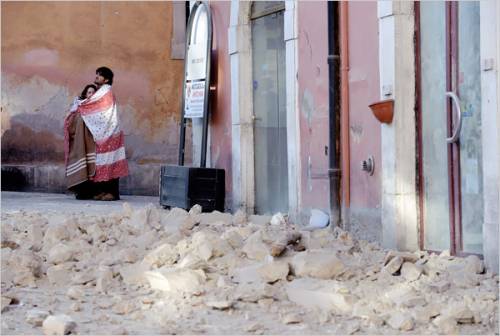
(58,325)
(317,264)
(177,281)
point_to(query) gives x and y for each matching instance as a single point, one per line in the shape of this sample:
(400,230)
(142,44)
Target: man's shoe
(108,197)
(98,197)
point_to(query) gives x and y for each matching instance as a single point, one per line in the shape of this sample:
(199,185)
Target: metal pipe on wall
(334,172)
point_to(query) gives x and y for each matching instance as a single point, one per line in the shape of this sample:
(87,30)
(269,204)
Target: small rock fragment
(35,317)
(75,293)
(58,325)
(400,321)
(410,271)
(221,305)
(394,265)
(274,271)
(292,318)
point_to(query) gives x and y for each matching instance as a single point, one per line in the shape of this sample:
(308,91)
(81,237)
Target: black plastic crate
(183,187)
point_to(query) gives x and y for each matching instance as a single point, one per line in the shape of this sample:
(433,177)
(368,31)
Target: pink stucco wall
(364,129)
(220,124)
(313,103)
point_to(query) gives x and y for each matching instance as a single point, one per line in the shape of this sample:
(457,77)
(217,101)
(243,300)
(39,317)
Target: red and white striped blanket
(101,118)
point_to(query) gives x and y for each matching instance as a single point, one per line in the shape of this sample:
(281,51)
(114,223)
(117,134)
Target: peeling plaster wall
(220,122)
(313,105)
(364,129)
(50,51)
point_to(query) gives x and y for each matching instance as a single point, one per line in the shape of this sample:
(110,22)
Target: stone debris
(221,305)
(410,271)
(394,265)
(400,321)
(58,325)
(292,318)
(184,281)
(317,264)
(75,293)
(191,272)
(35,317)
(280,245)
(274,271)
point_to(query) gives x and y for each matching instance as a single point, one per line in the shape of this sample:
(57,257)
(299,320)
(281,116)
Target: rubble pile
(152,271)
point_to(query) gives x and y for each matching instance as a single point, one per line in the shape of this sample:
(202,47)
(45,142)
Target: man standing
(99,114)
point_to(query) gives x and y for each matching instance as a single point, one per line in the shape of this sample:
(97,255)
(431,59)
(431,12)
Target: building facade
(291,123)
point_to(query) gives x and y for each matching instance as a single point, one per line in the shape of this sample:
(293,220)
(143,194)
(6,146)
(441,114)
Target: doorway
(269,107)
(449,128)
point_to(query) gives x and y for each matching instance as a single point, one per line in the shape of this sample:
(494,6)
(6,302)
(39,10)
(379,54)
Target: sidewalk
(45,202)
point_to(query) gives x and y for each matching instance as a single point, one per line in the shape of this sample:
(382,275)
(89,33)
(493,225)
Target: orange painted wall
(50,51)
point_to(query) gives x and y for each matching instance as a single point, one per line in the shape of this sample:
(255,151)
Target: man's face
(99,80)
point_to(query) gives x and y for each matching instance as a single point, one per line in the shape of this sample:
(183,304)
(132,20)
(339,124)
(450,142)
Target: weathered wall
(220,123)
(50,51)
(313,104)
(364,129)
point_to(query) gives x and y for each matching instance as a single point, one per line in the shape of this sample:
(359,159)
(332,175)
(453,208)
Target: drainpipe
(334,112)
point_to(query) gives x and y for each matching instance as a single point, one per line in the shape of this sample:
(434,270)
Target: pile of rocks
(191,272)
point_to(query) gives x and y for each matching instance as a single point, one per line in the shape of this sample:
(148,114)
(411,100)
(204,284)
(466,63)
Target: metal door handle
(456,133)
(254,118)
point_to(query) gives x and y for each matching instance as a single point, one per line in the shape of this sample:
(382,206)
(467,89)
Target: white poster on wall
(194,99)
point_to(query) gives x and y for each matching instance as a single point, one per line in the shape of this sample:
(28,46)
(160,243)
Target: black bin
(183,187)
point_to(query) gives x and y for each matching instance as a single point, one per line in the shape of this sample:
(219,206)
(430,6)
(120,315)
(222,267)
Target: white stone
(317,264)
(253,292)
(447,325)
(35,235)
(58,325)
(207,243)
(60,253)
(239,218)
(319,294)
(35,317)
(219,304)
(129,255)
(474,264)
(233,238)
(124,308)
(400,321)
(164,254)
(394,265)
(274,271)
(278,219)
(246,274)
(76,307)
(174,218)
(81,278)
(460,312)
(22,260)
(410,271)
(59,275)
(75,293)
(292,318)
(214,217)
(55,234)
(255,248)
(177,281)
(104,280)
(195,210)
(133,274)
(97,233)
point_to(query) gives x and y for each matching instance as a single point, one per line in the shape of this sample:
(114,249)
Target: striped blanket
(100,116)
(79,151)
